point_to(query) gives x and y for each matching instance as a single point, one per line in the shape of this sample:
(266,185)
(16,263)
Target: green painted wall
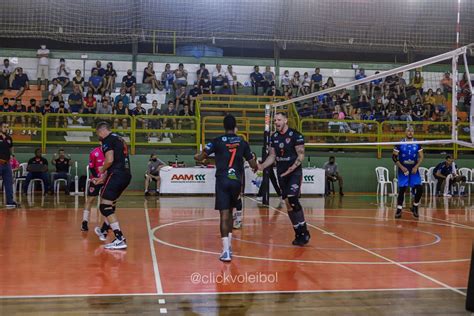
(358,170)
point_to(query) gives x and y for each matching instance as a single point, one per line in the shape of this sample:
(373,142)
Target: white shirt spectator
(63,72)
(43,61)
(217,73)
(55,90)
(6,70)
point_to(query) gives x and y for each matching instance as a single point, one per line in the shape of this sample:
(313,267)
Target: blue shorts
(410,180)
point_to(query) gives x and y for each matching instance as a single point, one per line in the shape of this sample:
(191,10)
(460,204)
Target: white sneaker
(98,232)
(34,133)
(225,256)
(259,198)
(237,224)
(447,195)
(29,132)
(23,132)
(117,244)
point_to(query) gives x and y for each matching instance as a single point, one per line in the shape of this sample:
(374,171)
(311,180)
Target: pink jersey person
(96,160)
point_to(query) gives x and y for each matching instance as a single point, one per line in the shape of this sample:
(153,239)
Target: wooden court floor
(360,261)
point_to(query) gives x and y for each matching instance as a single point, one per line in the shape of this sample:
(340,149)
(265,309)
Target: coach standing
(6,145)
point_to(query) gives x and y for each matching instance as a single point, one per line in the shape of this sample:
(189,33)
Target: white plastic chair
(432,182)
(469,174)
(424,177)
(32,185)
(86,189)
(383,180)
(395,180)
(20,176)
(57,182)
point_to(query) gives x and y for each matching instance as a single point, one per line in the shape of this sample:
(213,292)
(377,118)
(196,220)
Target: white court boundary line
(225,293)
(377,255)
(156,271)
(302,261)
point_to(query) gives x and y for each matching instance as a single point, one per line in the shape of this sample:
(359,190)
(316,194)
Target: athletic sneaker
(447,195)
(12,205)
(102,236)
(225,256)
(237,224)
(84,226)
(259,199)
(117,244)
(398,213)
(414,210)
(147,193)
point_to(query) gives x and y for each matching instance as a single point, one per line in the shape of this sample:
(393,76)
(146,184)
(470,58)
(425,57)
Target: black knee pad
(106,209)
(295,203)
(238,205)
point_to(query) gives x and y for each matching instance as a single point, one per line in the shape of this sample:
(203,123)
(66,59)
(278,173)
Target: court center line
(377,255)
(156,271)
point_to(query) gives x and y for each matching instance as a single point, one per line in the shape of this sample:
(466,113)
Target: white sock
(225,243)
(230,239)
(416,204)
(85,215)
(115,226)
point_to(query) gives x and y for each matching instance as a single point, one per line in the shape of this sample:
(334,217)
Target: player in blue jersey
(230,151)
(408,158)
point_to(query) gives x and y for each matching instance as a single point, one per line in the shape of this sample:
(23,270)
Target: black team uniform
(290,185)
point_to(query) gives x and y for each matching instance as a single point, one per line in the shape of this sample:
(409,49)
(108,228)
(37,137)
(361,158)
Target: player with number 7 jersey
(230,151)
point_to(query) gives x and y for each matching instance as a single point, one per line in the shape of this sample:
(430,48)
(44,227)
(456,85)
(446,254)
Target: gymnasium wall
(358,171)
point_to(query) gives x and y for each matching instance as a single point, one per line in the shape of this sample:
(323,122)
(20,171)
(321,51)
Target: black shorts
(115,184)
(290,185)
(227,193)
(94,189)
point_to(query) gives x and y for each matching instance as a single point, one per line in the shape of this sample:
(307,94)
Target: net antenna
(452,56)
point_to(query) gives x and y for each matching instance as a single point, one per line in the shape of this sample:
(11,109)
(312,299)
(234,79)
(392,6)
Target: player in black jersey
(116,178)
(287,149)
(230,151)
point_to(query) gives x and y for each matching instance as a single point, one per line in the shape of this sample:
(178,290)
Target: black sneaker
(341,193)
(297,240)
(414,210)
(305,237)
(12,205)
(398,213)
(147,193)
(84,226)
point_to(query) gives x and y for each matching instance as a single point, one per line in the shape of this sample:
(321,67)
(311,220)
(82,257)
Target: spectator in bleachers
(296,83)
(329,83)
(419,111)
(205,85)
(361,75)
(20,82)
(139,110)
(104,107)
(416,83)
(78,81)
(376,84)
(121,109)
(6,71)
(90,103)
(63,73)
(429,101)
(193,95)
(149,76)
(6,108)
(19,119)
(400,85)
(464,90)
(61,121)
(154,123)
(257,80)
(37,169)
(180,77)
(109,77)
(232,79)
(15,164)
(180,96)
(186,123)
(170,111)
(75,100)
(379,111)
(55,91)
(153,173)
(46,108)
(273,92)
(202,72)
(63,164)
(305,84)
(96,83)
(43,66)
(269,77)
(107,97)
(123,97)
(406,111)
(392,110)
(32,121)
(286,81)
(100,70)
(316,80)
(218,78)
(447,83)
(167,78)
(390,83)
(225,90)
(364,102)
(440,100)
(306,111)
(129,83)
